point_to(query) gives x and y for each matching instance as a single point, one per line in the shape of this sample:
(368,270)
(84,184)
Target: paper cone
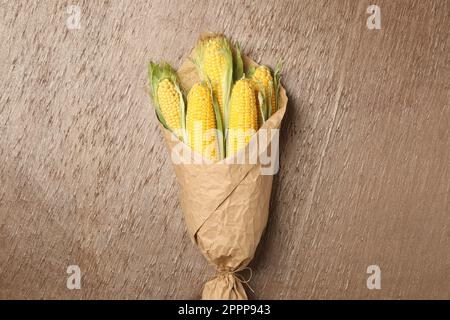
(225,205)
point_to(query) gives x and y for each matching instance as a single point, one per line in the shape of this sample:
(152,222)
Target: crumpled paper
(225,206)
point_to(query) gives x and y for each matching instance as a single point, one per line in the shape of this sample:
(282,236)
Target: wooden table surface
(85,178)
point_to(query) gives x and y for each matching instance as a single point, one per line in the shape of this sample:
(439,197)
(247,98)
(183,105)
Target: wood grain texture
(365,149)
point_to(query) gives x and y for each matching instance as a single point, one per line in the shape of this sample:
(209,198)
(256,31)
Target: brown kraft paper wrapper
(225,206)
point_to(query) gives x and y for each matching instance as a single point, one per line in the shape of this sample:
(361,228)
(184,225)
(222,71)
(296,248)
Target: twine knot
(239,277)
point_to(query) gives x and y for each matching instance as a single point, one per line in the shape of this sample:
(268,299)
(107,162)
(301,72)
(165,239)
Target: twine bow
(238,277)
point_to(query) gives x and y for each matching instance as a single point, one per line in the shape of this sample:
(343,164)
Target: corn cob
(167,97)
(201,122)
(263,77)
(243,122)
(214,59)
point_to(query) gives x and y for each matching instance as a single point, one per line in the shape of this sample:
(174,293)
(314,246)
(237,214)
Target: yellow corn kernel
(201,122)
(263,76)
(243,122)
(169,102)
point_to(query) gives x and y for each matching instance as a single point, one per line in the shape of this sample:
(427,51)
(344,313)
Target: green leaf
(269,100)
(238,70)
(262,106)
(277,83)
(161,118)
(250,71)
(227,81)
(219,123)
(183,134)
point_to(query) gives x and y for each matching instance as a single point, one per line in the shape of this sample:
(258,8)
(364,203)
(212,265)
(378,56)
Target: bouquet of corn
(219,114)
